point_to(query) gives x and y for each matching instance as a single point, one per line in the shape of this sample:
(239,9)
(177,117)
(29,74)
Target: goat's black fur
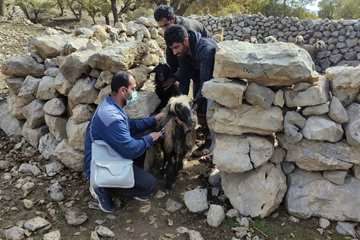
(163,75)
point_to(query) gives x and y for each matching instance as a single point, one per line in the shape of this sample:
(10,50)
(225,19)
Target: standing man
(165,17)
(112,125)
(196,56)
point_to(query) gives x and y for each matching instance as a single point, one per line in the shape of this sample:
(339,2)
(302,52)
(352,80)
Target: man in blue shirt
(112,125)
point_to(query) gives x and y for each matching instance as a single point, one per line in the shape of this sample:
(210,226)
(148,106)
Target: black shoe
(104,199)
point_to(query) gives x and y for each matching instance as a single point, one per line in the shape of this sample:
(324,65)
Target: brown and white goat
(178,125)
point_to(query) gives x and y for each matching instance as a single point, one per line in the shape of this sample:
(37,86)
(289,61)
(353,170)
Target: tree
(92,7)
(105,9)
(76,7)
(61,5)
(114,11)
(34,8)
(348,9)
(327,9)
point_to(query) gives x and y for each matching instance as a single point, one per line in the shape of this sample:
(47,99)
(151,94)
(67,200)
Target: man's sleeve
(137,126)
(171,60)
(207,58)
(119,138)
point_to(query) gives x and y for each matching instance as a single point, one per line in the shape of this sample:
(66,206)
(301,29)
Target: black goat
(165,85)
(178,124)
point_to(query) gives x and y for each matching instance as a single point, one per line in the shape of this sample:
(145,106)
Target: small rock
(14,233)
(160,194)
(28,204)
(94,236)
(173,206)
(244,222)
(279,98)
(345,228)
(54,235)
(294,219)
(104,231)
(36,223)
(232,213)
(196,200)
(27,168)
(55,192)
(27,188)
(216,215)
(320,230)
(75,217)
(53,168)
(193,235)
(4,165)
(316,110)
(324,223)
(240,232)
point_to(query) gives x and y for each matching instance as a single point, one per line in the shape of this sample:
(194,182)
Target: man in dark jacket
(165,17)
(196,56)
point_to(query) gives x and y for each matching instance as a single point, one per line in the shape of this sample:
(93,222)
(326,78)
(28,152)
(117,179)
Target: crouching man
(112,125)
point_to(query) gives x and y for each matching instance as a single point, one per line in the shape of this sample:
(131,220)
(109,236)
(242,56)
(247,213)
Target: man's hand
(156,135)
(159,116)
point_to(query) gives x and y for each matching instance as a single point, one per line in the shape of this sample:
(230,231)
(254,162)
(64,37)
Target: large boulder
(259,95)
(48,46)
(314,95)
(47,145)
(47,88)
(323,129)
(34,113)
(22,66)
(83,92)
(57,126)
(272,64)
(245,119)
(55,107)
(62,85)
(236,154)
(337,112)
(226,92)
(70,157)
(140,74)
(10,125)
(255,193)
(146,104)
(321,156)
(311,195)
(14,84)
(76,134)
(28,90)
(33,136)
(115,57)
(345,84)
(82,113)
(76,64)
(352,128)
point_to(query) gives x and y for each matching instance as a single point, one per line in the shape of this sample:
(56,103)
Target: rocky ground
(40,200)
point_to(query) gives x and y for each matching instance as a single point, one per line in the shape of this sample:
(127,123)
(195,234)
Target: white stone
(53,168)
(82,113)
(283,63)
(57,126)
(83,92)
(245,119)
(68,156)
(33,136)
(34,113)
(336,177)
(234,154)
(279,99)
(54,235)
(75,65)
(352,128)
(104,232)
(55,192)
(14,233)
(255,193)
(75,217)
(316,110)
(226,92)
(215,215)
(259,95)
(27,168)
(324,223)
(346,228)
(36,223)
(9,124)
(47,88)
(337,111)
(196,200)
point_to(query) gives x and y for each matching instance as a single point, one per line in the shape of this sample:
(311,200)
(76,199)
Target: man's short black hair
(175,34)
(120,79)
(164,11)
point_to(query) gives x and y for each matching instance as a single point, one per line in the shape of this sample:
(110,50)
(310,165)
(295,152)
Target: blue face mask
(132,98)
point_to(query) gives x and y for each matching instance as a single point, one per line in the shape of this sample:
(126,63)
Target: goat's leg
(171,173)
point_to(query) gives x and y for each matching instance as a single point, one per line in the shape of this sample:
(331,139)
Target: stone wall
(285,133)
(54,90)
(342,38)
